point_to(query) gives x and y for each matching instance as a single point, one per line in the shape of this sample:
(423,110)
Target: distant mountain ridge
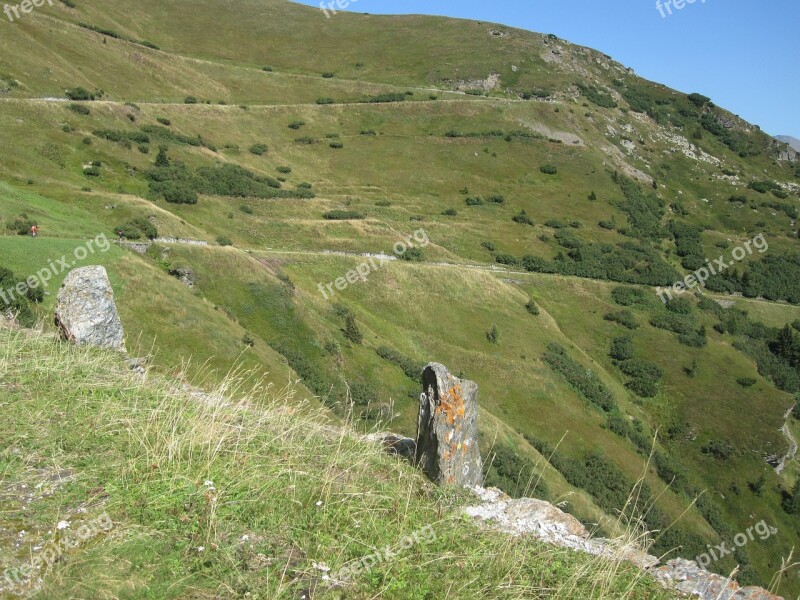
(788,139)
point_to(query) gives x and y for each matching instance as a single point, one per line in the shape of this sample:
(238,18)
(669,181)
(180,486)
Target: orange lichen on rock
(452,405)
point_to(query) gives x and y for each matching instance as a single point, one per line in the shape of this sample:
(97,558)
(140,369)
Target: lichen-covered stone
(85,310)
(447,430)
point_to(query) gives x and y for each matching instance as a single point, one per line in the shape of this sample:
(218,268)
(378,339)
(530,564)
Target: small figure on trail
(34,230)
(121,236)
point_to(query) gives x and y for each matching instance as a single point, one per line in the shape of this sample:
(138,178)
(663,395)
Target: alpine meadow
(268,270)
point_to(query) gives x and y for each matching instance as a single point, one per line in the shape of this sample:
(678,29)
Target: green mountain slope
(561,177)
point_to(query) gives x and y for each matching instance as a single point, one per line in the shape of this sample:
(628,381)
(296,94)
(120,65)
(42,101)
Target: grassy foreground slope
(239,496)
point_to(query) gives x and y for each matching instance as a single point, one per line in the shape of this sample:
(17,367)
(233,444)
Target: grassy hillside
(556,196)
(185,496)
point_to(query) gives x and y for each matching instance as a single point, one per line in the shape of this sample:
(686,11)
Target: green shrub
(493,335)
(259,149)
(746,382)
(79,94)
(164,121)
(368,132)
(411,368)
(246,209)
(180,194)
(548,169)
(474,201)
(284,169)
(342,215)
(622,348)
(223,240)
(80,109)
(336,145)
(325,100)
(628,296)
(490,246)
(680,306)
(382,98)
(522,218)
(21,225)
(91,171)
(190,100)
(351,330)
(413,255)
(582,379)
(450,212)
(719,449)
(296,124)
(304,140)
(532,308)
(624,318)
(327,75)
(14,302)
(496,199)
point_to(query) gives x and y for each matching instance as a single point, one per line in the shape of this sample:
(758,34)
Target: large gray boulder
(447,430)
(85,310)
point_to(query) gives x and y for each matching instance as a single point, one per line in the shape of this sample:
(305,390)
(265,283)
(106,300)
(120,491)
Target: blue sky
(744,54)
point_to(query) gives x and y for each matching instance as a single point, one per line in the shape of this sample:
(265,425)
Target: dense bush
(628,296)
(624,318)
(137,228)
(512,473)
(548,169)
(496,199)
(387,98)
(596,96)
(79,94)
(413,255)
(450,212)
(297,124)
(622,348)
(410,367)
(582,379)
(474,201)
(719,449)
(532,308)
(80,109)
(13,302)
(342,215)
(283,169)
(522,218)
(122,136)
(351,330)
(645,377)
(325,100)
(259,149)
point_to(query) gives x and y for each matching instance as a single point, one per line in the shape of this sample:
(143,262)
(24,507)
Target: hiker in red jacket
(34,230)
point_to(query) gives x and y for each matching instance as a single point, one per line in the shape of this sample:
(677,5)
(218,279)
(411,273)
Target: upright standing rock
(85,310)
(447,431)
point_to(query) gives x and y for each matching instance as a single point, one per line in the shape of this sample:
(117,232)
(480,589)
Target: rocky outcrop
(185,275)
(85,310)
(528,516)
(688,578)
(447,429)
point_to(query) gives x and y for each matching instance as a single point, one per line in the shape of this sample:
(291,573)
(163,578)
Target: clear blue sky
(744,54)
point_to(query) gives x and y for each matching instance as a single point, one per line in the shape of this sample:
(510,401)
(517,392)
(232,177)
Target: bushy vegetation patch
(580,378)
